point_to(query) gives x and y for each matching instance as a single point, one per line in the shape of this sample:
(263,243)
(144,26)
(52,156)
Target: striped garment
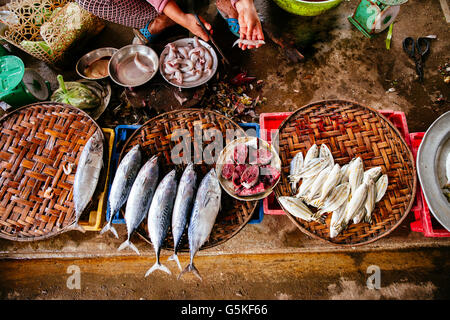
(130,13)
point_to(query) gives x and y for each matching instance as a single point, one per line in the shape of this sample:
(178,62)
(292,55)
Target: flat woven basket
(36,141)
(351,130)
(46,34)
(156,137)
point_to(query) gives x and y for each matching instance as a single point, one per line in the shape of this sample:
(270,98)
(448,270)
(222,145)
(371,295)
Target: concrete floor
(273,260)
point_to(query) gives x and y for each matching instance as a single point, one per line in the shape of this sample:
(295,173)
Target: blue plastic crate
(123,132)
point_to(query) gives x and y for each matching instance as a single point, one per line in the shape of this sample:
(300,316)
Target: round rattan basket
(36,141)
(351,130)
(160,135)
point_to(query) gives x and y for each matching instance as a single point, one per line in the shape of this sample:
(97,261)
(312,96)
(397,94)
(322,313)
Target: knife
(225,60)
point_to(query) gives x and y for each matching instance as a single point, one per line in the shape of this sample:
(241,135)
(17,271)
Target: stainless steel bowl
(128,52)
(199,82)
(86,60)
(431,168)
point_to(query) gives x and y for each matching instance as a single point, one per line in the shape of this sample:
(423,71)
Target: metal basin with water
(307,8)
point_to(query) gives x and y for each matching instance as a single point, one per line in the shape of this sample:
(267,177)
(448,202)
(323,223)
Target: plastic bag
(75,94)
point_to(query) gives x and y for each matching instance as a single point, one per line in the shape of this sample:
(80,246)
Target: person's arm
(249,24)
(187,20)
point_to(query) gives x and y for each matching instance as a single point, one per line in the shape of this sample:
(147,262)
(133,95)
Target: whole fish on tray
(298,208)
(122,183)
(204,213)
(312,153)
(140,198)
(182,207)
(160,215)
(295,167)
(324,152)
(87,175)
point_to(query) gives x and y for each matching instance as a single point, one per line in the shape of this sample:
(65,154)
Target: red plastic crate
(270,122)
(425,221)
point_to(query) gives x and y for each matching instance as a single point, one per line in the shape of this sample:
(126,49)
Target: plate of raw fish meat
(188,62)
(248,168)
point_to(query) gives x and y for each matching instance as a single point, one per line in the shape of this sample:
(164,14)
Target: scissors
(225,60)
(417,51)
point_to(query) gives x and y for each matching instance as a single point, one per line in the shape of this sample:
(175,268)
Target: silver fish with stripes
(140,198)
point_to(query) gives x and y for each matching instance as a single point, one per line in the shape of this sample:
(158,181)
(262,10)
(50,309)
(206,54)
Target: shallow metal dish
(102,90)
(228,151)
(184,42)
(431,158)
(86,60)
(124,53)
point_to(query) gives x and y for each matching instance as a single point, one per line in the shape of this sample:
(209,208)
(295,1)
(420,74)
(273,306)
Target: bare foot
(226,8)
(159,24)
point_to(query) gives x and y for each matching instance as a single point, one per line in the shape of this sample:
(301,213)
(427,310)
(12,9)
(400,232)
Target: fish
(248,42)
(182,206)
(338,196)
(141,65)
(203,216)
(372,174)
(312,168)
(312,153)
(447,171)
(381,187)
(297,208)
(87,176)
(356,202)
(305,186)
(295,166)
(356,174)
(370,201)
(358,217)
(344,173)
(314,202)
(140,198)
(331,181)
(160,215)
(325,153)
(337,216)
(318,183)
(122,183)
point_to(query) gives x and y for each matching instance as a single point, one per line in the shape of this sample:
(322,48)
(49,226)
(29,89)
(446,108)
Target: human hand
(249,25)
(193,26)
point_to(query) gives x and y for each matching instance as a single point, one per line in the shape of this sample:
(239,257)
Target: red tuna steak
(227,170)
(240,153)
(258,188)
(250,177)
(269,175)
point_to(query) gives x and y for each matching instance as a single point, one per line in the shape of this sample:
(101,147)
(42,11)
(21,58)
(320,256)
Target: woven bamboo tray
(36,141)
(351,130)
(155,138)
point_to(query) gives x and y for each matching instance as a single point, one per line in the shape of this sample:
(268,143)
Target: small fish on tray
(349,193)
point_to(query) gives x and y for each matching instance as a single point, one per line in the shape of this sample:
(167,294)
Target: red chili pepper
(242,78)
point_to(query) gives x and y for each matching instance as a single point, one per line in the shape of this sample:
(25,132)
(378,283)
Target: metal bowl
(128,52)
(307,8)
(431,168)
(227,153)
(86,60)
(184,42)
